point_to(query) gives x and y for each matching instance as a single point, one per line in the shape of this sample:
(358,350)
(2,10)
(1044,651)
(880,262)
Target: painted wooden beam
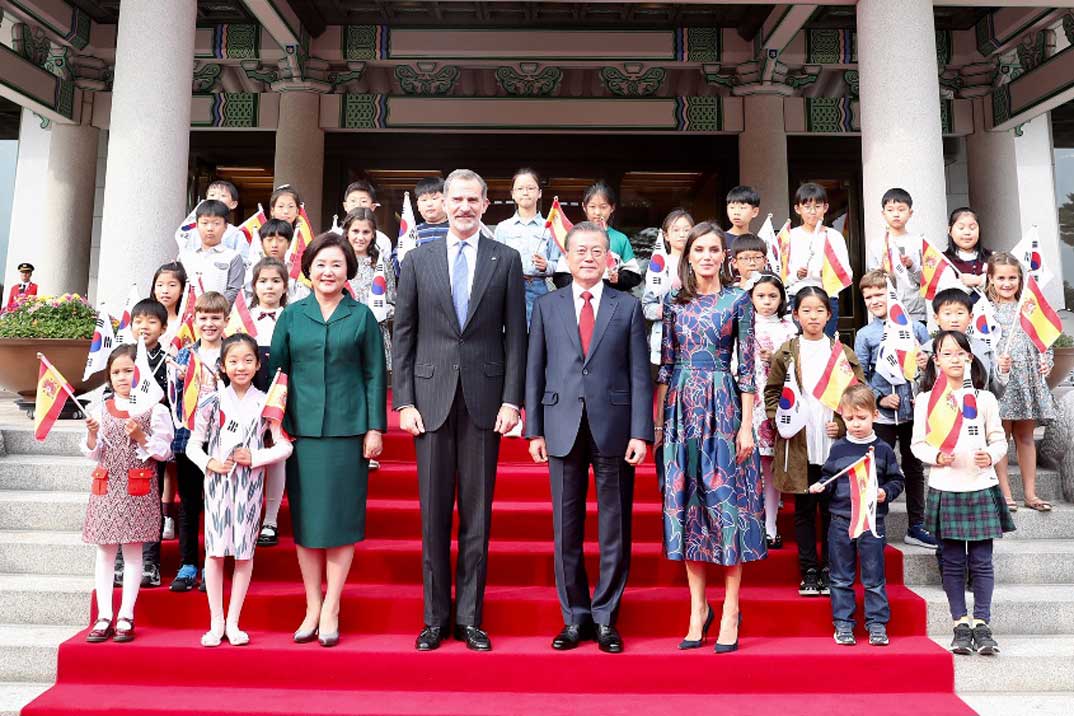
(1033,93)
(280,21)
(62,21)
(30,86)
(1003,29)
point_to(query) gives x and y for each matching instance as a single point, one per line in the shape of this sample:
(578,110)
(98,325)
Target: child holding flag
(1026,401)
(858,503)
(743,206)
(124,504)
(525,232)
(958,432)
(898,253)
(374,284)
(232,428)
(966,253)
(662,276)
(885,358)
(772,328)
(824,368)
(168,288)
(623,273)
(813,247)
(276,237)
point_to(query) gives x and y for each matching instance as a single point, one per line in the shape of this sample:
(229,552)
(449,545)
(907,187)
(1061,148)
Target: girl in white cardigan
(966,509)
(234,466)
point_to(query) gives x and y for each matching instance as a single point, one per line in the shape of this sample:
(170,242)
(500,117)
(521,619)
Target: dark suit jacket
(431,354)
(612,383)
(335,369)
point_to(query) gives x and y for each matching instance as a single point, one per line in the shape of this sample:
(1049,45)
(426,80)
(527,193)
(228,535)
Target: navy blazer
(612,383)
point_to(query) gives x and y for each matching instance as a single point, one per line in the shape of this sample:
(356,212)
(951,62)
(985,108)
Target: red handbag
(100,482)
(138,481)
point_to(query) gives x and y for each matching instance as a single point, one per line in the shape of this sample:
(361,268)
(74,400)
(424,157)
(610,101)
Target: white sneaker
(373,465)
(169,528)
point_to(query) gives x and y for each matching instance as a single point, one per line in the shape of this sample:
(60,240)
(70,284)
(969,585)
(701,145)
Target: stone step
(1051,703)
(45,599)
(1057,524)
(1045,609)
(45,472)
(63,439)
(15,695)
(34,510)
(45,552)
(29,653)
(1026,663)
(1017,561)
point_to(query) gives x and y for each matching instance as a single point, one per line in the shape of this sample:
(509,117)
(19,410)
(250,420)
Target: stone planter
(1064,363)
(19,364)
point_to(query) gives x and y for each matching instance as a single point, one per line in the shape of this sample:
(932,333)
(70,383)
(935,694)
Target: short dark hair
(743,194)
(326,241)
(363,213)
(130,350)
(150,307)
(277,227)
(952,295)
(600,188)
(897,195)
(226,186)
(747,242)
(427,185)
(360,185)
(810,191)
(588,226)
(212,207)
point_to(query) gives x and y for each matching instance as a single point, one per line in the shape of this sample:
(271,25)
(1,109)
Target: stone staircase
(1033,608)
(46,572)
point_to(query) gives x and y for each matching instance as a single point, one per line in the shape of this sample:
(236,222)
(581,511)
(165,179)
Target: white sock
(103,576)
(275,481)
(771,498)
(132,578)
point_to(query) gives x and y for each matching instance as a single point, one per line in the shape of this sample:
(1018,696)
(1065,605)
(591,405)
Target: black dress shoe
(571,636)
(474,637)
(608,639)
(429,639)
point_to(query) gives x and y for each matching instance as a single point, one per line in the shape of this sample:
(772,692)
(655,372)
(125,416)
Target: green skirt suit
(336,392)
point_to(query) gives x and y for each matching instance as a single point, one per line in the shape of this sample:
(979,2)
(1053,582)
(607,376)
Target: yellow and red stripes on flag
(783,243)
(863,488)
(303,238)
(933,266)
(186,334)
(558,225)
(52,393)
(1039,320)
(276,401)
(908,361)
(240,320)
(191,390)
(252,226)
(837,377)
(944,421)
(834,275)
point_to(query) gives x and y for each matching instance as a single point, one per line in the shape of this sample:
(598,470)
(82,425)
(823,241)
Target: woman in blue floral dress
(713,497)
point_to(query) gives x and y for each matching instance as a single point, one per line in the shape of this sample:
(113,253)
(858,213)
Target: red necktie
(586,321)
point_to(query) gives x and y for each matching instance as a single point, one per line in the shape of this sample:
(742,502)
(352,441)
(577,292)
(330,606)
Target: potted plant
(1063,350)
(61,327)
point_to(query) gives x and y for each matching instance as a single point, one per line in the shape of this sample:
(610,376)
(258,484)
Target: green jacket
(336,374)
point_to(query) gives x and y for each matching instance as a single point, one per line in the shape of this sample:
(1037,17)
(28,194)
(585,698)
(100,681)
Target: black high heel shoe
(728,648)
(697,643)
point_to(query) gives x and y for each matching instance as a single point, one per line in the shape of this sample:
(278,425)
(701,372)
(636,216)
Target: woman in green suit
(330,347)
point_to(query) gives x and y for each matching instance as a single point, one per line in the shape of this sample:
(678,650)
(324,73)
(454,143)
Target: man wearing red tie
(589,402)
(25,287)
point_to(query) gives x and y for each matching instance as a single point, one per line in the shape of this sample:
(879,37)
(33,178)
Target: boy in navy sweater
(858,408)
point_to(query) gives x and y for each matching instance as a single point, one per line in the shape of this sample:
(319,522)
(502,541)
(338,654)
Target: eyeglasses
(748,259)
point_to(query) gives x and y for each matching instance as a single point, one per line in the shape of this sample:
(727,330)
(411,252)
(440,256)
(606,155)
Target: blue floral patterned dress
(713,506)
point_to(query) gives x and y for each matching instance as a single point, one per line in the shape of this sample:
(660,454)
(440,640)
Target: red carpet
(786,664)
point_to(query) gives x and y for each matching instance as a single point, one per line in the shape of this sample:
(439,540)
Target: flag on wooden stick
(191,390)
(1028,252)
(558,225)
(240,320)
(408,230)
(863,496)
(834,275)
(145,391)
(790,418)
(944,421)
(937,273)
(53,390)
(837,377)
(124,331)
(101,345)
(1038,319)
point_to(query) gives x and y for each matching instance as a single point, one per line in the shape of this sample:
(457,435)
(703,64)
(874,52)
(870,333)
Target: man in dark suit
(458,380)
(589,402)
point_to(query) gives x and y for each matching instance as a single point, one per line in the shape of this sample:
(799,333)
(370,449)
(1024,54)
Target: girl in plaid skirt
(965,509)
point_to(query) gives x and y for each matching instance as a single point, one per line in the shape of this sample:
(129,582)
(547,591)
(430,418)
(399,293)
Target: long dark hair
(175,269)
(978,376)
(688,292)
(363,213)
(767,277)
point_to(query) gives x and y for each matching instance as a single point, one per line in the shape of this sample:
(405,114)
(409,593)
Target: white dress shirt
(596,291)
(454,243)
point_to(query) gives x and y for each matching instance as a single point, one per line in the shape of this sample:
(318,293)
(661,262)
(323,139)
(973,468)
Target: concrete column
(901,136)
(762,155)
(1037,199)
(149,144)
(29,203)
(67,224)
(994,183)
(300,151)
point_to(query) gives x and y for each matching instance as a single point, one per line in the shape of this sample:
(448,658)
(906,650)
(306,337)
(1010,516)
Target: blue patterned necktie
(460,284)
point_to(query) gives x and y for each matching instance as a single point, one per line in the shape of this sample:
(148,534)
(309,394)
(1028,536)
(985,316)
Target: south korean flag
(145,391)
(790,418)
(231,434)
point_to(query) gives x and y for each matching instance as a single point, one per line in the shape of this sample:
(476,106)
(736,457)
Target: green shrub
(1063,341)
(66,316)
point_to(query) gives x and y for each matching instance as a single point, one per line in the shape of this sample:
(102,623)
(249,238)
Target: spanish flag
(838,376)
(303,238)
(251,227)
(240,320)
(558,225)
(186,334)
(863,497)
(783,241)
(833,275)
(276,398)
(933,268)
(1039,320)
(944,421)
(52,393)
(191,390)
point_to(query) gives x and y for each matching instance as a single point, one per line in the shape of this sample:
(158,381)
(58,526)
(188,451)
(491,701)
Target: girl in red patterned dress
(124,510)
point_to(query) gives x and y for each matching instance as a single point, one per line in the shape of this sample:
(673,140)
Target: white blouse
(245,412)
(158,441)
(813,359)
(962,475)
